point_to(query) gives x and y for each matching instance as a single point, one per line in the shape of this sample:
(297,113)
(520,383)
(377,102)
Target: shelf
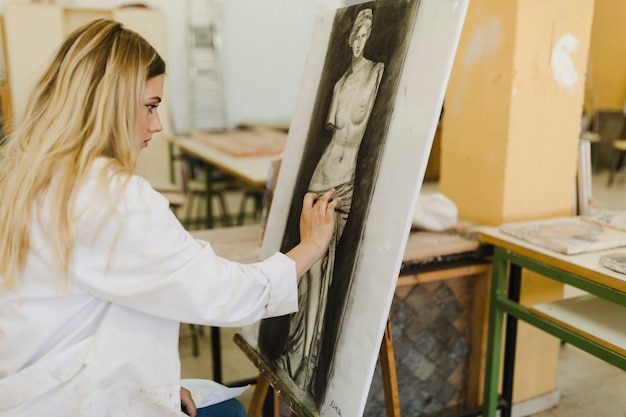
(591,317)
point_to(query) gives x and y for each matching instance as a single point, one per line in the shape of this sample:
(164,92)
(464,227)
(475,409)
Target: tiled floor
(588,386)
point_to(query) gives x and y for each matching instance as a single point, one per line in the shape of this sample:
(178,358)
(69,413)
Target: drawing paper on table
(568,235)
(612,218)
(614,261)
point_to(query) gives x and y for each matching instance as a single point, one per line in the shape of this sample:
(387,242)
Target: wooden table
(595,323)
(235,154)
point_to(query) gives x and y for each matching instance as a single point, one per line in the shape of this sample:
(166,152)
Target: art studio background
(533,83)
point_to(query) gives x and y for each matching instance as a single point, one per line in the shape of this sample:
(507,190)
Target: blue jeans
(228,408)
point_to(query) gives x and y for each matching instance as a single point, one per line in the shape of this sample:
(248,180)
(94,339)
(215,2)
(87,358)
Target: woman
(96,271)
(351,105)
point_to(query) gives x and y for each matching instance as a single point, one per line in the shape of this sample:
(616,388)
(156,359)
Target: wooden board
(424,246)
(245,143)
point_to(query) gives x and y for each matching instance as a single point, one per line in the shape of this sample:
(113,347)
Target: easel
(424,262)
(268,378)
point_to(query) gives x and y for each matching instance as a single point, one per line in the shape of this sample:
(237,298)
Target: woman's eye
(151,107)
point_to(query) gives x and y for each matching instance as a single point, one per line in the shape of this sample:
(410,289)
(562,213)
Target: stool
(254,194)
(196,191)
(619,151)
(196,194)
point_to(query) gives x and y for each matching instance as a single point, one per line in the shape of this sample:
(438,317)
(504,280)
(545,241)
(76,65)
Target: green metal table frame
(504,299)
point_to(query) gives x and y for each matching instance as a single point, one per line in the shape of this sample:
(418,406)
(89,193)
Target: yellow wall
(510,126)
(545,107)
(606,87)
(475,123)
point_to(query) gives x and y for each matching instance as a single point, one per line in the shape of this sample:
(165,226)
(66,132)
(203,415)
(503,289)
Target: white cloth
(434,212)
(109,347)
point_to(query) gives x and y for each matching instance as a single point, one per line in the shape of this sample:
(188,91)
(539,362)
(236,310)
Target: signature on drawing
(335,407)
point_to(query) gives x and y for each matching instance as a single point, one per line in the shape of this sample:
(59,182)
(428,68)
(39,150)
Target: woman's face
(149,121)
(359,42)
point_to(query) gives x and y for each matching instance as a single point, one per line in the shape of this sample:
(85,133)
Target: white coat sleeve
(142,258)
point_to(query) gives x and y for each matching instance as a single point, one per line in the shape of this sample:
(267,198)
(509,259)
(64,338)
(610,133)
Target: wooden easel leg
(276,404)
(388,368)
(255,409)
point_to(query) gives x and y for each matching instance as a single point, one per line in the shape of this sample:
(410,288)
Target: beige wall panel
(154,162)
(33,32)
(75,18)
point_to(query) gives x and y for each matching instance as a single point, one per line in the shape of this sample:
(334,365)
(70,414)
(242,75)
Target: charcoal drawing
(353,97)
(356,127)
(310,335)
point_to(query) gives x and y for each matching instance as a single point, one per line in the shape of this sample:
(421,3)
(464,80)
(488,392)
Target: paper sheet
(206,392)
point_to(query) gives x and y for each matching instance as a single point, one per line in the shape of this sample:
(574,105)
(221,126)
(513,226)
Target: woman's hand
(317,226)
(317,222)
(186,402)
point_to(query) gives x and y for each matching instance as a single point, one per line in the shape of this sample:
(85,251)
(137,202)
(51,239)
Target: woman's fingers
(326,200)
(323,204)
(309,200)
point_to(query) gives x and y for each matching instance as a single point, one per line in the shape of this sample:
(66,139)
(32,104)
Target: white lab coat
(109,345)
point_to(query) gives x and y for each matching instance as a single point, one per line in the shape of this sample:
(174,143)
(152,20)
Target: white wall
(265,48)
(265,45)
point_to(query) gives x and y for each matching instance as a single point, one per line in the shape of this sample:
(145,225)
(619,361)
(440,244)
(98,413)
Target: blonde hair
(84,106)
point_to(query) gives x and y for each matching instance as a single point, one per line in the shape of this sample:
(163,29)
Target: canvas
(367,111)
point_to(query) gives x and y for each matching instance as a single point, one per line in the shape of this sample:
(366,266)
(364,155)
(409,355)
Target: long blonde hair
(85,105)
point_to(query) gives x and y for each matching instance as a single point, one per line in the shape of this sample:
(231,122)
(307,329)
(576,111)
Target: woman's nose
(155,124)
